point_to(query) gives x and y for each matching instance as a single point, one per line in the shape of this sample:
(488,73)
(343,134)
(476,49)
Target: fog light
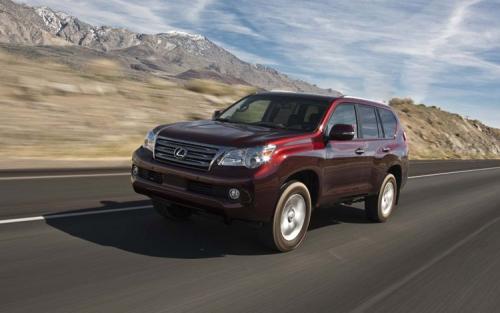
(135,170)
(234,193)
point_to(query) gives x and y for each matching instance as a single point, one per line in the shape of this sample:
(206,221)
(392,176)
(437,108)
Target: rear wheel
(379,207)
(172,211)
(291,218)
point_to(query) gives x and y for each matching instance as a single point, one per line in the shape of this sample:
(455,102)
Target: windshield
(277,111)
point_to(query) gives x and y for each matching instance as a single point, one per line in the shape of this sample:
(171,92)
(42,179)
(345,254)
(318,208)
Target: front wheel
(379,207)
(291,218)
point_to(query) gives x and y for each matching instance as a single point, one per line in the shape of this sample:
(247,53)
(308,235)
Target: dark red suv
(272,158)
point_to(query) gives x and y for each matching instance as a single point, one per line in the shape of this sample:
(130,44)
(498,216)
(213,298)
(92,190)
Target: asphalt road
(440,252)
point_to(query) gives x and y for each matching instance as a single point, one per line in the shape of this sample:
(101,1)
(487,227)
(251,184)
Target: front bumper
(207,191)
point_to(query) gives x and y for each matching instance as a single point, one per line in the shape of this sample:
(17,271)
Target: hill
(437,134)
(53,111)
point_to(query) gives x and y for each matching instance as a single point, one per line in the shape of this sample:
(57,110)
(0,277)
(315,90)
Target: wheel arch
(397,171)
(311,179)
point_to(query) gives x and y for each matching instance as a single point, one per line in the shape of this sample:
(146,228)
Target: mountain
(105,114)
(22,25)
(170,54)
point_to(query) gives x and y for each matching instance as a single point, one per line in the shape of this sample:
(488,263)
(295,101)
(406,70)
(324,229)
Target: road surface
(440,252)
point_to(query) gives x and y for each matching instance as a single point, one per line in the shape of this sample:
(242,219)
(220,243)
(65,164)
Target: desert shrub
(209,87)
(105,68)
(400,101)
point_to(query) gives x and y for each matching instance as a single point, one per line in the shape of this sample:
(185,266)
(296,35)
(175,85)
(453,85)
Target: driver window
(343,114)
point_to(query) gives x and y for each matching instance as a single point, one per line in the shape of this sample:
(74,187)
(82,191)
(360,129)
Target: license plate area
(174,180)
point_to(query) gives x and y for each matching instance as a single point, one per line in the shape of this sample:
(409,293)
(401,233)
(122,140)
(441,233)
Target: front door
(345,168)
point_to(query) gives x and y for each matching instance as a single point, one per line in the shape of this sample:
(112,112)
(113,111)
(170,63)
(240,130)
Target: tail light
(404,135)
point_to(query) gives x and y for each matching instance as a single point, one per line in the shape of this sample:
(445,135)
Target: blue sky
(444,53)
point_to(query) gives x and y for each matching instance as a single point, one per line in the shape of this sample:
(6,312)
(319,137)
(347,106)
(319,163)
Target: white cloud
(196,8)
(227,22)
(245,55)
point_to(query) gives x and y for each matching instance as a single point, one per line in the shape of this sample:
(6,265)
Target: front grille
(196,156)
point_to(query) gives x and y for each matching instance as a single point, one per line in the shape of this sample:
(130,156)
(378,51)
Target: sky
(443,53)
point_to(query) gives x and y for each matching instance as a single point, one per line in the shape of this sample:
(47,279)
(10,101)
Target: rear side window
(389,122)
(344,114)
(368,121)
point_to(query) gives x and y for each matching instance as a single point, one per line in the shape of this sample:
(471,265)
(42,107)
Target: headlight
(249,157)
(149,141)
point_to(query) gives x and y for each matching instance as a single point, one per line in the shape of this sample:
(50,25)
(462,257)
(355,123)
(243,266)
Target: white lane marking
(38,218)
(446,161)
(456,172)
(128,173)
(63,176)
(62,215)
(363,307)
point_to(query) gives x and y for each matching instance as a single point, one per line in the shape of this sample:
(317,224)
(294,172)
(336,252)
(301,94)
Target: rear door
(372,135)
(389,148)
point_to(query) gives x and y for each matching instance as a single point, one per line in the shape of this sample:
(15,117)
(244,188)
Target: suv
(273,158)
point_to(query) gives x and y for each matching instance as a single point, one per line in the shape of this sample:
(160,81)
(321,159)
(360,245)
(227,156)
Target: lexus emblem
(180,153)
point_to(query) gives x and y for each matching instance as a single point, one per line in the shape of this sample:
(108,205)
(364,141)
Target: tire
(379,207)
(172,211)
(291,218)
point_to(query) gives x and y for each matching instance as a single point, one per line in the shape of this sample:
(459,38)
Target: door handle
(386,149)
(359,151)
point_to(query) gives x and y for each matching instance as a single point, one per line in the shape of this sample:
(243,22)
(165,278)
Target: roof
(300,95)
(319,96)
(364,99)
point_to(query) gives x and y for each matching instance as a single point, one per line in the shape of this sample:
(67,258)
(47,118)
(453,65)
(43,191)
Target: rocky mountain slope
(437,134)
(22,25)
(171,54)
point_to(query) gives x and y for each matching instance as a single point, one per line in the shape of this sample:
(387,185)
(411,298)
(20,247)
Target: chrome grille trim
(199,156)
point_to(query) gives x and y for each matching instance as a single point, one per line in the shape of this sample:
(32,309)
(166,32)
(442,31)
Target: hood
(223,133)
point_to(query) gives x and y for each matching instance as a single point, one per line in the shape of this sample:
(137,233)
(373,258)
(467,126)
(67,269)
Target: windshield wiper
(265,124)
(223,119)
(269,124)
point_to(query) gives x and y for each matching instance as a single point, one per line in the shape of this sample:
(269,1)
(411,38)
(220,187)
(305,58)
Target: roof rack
(366,99)
(300,93)
(279,90)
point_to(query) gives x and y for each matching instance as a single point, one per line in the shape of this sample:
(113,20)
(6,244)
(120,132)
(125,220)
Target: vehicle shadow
(338,214)
(146,233)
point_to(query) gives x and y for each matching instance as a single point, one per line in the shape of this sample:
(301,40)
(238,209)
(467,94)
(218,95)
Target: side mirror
(216,114)
(342,132)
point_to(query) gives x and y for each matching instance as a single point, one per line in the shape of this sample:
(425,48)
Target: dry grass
(50,110)
(211,87)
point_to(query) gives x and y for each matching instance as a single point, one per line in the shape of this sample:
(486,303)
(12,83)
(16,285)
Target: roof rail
(366,99)
(279,90)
